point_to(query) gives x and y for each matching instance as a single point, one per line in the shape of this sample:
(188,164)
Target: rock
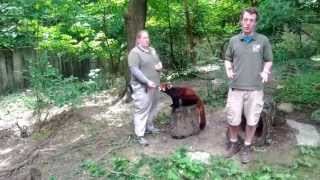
(315,116)
(306,133)
(279,86)
(203,157)
(285,107)
(217,83)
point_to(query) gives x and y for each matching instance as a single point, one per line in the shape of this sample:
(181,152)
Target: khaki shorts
(243,101)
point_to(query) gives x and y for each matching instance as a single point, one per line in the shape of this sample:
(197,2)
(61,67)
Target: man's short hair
(250,10)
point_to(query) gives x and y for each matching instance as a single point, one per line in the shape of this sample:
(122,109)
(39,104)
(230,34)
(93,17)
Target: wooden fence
(14,67)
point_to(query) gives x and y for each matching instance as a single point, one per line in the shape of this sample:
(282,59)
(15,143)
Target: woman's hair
(139,35)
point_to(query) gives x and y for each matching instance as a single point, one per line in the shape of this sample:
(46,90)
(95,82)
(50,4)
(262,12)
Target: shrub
(291,46)
(302,90)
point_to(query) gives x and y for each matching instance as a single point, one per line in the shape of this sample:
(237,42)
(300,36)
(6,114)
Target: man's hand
(264,76)
(229,70)
(230,73)
(266,71)
(158,66)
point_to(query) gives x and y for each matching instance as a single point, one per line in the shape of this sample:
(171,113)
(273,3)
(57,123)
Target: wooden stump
(185,122)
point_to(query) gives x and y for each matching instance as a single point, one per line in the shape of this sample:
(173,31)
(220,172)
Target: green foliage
(315,116)
(294,46)
(42,134)
(221,168)
(163,119)
(302,89)
(53,177)
(184,73)
(17,98)
(123,169)
(215,96)
(217,19)
(306,165)
(49,86)
(179,166)
(272,18)
(94,169)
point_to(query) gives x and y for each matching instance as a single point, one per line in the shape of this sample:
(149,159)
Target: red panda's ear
(169,86)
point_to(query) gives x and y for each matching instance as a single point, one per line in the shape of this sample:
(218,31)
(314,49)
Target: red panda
(185,96)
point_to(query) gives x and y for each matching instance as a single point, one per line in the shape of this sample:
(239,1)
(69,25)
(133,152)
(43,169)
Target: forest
(65,107)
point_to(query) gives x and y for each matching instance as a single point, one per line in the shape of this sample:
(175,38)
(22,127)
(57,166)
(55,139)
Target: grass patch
(179,166)
(18,98)
(41,135)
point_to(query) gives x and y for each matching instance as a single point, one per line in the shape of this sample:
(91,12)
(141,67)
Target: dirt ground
(101,132)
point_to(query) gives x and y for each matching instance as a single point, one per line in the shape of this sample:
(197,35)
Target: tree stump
(185,122)
(265,124)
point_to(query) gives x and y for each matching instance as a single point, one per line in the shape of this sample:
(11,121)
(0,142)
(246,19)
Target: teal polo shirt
(248,59)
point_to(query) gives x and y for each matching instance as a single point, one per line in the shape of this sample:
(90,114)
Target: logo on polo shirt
(256,47)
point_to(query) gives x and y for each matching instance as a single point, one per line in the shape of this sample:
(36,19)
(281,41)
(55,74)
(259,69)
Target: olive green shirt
(145,61)
(248,60)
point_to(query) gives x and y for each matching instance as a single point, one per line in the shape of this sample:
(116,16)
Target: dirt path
(101,132)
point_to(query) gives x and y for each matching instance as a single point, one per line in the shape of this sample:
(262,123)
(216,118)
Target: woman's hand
(158,66)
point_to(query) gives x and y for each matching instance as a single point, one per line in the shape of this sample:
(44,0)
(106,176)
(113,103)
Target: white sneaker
(152,129)
(142,141)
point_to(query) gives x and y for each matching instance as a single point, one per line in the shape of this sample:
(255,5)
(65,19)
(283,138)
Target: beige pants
(146,104)
(242,101)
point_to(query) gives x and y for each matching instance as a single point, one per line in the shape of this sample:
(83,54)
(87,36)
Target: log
(185,122)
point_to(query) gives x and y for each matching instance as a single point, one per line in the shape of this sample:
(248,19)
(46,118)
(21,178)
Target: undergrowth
(179,166)
(303,90)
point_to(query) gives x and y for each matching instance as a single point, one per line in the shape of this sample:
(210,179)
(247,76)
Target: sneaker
(233,148)
(152,130)
(245,154)
(142,141)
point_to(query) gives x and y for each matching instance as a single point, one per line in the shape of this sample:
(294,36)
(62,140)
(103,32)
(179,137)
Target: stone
(307,135)
(203,157)
(315,116)
(285,107)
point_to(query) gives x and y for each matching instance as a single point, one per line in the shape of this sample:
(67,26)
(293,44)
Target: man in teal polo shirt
(248,63)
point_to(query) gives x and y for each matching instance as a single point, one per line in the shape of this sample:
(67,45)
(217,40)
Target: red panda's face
(165,86)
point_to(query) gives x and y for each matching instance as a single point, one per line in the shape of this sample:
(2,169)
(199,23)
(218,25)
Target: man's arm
(229,69)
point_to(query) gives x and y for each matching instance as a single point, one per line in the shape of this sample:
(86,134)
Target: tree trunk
(17,68)
(254,3)
(3,73)
(135,19)
(189,27)
(111,61)
(170,34)
(185,122)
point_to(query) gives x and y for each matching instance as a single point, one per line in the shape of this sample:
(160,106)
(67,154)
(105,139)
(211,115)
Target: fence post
(18,68)
(3,73)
